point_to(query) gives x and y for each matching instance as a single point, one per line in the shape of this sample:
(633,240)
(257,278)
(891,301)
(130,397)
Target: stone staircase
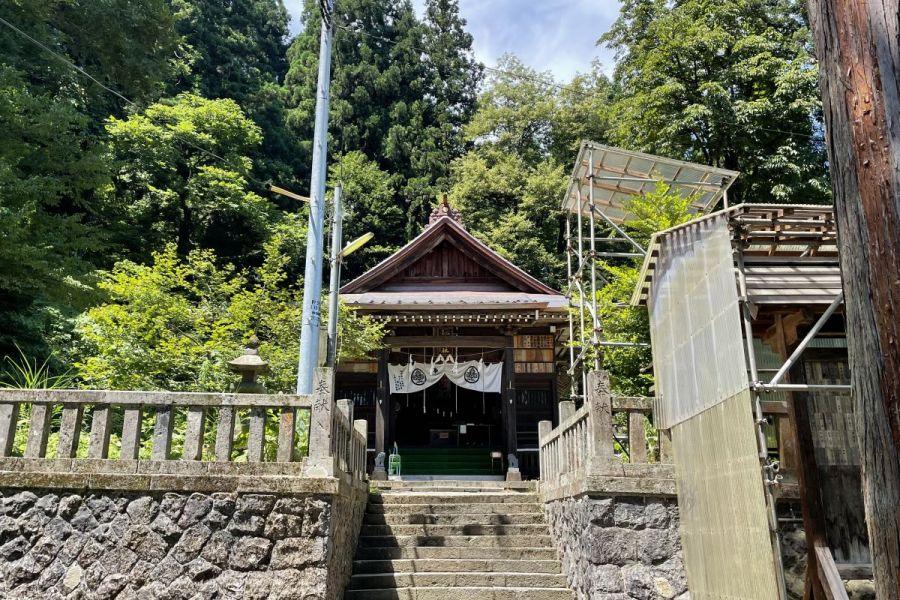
(456,540)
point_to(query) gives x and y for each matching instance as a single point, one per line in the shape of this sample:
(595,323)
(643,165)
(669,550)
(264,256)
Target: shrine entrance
(469,363)
(448,416)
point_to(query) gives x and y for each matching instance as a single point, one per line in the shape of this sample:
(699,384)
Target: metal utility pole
(335,283)
(312,282)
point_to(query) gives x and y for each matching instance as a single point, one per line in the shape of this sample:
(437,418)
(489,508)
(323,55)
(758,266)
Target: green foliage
(509,185)
(237,50)
(513,208)
(191,258)
(25,373)
(730,83)
(624,324)
(174,324)
(661,209)
(369,205)
(166,188)
(653,211)
(401,91)
(51,164)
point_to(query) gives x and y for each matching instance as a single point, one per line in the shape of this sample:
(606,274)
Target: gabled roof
(446,230)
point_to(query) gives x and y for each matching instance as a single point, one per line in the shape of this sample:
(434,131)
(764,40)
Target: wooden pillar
(787,435)
(383,406)
(508,397)
(798,455)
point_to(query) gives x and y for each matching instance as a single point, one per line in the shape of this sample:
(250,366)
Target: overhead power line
(523,76)
(68,63)
(526,77)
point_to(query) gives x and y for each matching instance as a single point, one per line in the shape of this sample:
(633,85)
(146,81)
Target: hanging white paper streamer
(471,375)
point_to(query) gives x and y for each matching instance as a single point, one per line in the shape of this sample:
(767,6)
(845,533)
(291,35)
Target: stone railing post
(600,450)
(665,446)
(361,428)
(566,410)
(9,418)
(320,462)
(637,437)
(344,443)
(544,429)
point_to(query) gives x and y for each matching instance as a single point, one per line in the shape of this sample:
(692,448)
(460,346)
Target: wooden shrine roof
(445,268)
(790,253)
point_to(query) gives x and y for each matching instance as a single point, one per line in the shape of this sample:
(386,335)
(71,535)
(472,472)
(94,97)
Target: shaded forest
(136,233)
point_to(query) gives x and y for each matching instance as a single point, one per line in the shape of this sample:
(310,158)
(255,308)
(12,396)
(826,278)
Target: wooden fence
(208,436)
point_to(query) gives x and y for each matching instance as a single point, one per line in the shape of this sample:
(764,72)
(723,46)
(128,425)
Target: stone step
(456,509)
(457,552)
(450,530)
(453,497)
(443,485)
(370,581)
(461,593)
(452,565)
(469,541)
(534,518)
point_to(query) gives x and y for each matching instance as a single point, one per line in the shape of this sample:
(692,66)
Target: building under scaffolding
(603,181)
(749,353)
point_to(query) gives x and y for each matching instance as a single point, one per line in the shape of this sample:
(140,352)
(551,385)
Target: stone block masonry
(148,545)
(619,547)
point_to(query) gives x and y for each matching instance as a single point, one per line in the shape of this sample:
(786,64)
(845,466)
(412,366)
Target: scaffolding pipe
(614,226)
(624,344)
(806,340)
(571,318)
(595,329)
(580,291)
(707,184)
(762,446)
(802,387)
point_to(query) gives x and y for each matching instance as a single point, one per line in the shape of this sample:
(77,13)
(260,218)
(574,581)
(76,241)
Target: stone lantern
(250,366)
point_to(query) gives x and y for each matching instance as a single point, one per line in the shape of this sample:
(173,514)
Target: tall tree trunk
(859,55)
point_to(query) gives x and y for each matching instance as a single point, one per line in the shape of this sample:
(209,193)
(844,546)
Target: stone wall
(58,544)
(619,548)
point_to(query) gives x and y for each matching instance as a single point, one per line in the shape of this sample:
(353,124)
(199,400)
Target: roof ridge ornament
(443,209)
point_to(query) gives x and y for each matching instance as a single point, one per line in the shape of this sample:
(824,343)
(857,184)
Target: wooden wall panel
(833,426)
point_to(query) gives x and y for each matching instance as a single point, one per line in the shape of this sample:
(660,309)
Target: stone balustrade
(163,495)
(610,499)
(581,453)
(134,408)
(150,451)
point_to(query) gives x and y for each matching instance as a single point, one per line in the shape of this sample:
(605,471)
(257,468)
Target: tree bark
(859,54)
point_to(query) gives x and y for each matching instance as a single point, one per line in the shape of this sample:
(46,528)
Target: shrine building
(471,356)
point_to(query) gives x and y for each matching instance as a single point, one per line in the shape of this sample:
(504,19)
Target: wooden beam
(829,577)
(459,341)
(809,484)
(851,571)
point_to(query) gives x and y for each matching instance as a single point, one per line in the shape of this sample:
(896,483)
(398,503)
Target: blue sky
(549,35)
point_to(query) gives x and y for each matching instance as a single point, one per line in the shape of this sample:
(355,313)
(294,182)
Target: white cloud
(549,35)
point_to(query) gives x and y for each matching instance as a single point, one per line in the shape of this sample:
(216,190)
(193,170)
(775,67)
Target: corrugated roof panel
(619,175)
